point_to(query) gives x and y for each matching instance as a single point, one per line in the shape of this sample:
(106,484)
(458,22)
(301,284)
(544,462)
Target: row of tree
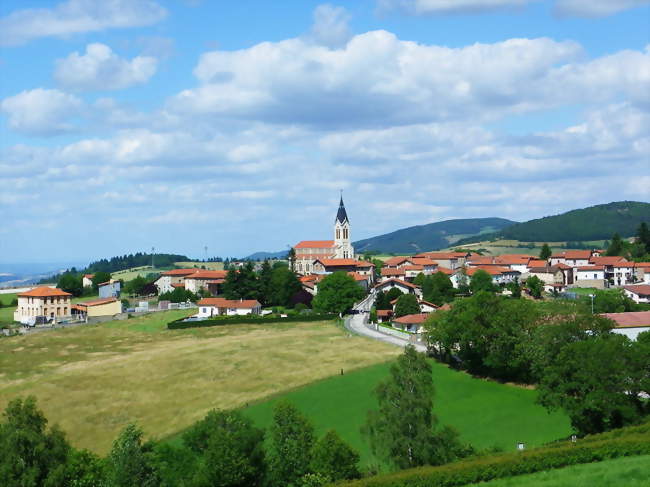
(225,449)
(597,376)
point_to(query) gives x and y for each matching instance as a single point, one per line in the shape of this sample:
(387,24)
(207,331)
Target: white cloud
(424,7)
(77,16)
(595,8)
(330,27)
(42,111)
(101,69)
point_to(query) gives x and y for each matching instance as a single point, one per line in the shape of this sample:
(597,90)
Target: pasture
(94,379)
(212,266)
(485,413)
(7,310)
(620,472)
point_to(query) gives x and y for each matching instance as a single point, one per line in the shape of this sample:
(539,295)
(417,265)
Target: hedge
(635,441)
(248,319)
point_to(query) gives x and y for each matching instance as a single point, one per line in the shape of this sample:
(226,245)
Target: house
(165,283)
(500,275)
(411,323)
(396,262)
(307,251)
(590,276)
(639,293)
(363,281)
(556,276)
(43,304)
(392,273)
(109,289)
(630,324)
(618,270)
(405,287)
(97,307)
(642,272)
(452,260)
(427,307)
(209,307)
(384,315)
(572,258)
(328,266)
(211,281)
(87,280)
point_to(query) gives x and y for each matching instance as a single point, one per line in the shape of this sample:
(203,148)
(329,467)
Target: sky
(181,124)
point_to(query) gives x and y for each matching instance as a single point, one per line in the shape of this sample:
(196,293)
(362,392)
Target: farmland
(94,379)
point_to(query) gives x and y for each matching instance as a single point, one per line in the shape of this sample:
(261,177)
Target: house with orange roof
(43,305)
(573,258)
(168,279)
(451,260)
(639,293)
(87,280)
(211,281)
(500,275)
(630,324)
(209,307)
(404,286)
(97,308)
(411,323)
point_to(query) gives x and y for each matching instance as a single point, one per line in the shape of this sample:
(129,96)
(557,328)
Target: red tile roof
(414,319)
(413,267)
(97,302)
(229,303)
(89,276)
(180,272)
(44,292)
(205,274)
(640,289)
(393,261)
(423,261)
(388,271)
(357,276)
(428,303)
(642,264)
(574,254)
(445,270)
(490,269)
(314,244)
(610,260)
(365,263)
(537,263)
(384,312)
(632,319)
(399,282)
(591,268)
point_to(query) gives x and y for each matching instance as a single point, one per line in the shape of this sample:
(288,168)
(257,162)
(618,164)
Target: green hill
(432,236)
(592,223)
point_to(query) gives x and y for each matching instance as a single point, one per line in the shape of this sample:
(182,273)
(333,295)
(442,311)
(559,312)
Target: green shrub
(625,442)
(248,319)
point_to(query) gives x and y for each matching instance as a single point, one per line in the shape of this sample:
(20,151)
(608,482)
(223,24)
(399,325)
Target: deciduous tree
(545,252)
(333,459)
(130,461)
(407,304)
(481,281)
(337,293)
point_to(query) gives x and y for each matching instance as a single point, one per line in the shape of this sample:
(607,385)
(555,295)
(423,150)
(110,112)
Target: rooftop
(229,303)
(632,319)
(44,292)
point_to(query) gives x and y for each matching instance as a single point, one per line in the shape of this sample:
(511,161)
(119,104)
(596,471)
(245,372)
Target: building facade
(43,304)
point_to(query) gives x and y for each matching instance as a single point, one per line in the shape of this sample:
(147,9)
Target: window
(338,233)
(595,276)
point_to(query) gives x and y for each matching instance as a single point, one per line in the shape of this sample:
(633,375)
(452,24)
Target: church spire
(341,215)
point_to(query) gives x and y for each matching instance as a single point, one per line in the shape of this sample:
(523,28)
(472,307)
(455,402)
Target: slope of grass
(485,413)
(620,472)
(7,311)
(212,266)
(94,379)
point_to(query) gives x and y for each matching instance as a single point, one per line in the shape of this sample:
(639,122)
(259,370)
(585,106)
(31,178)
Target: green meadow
(486,414)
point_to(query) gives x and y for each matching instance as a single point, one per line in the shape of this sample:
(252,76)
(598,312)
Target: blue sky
(127,124)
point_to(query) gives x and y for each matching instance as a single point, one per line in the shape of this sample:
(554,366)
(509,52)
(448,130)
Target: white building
(639,293)
(210,281)
(590,276)
(209,307)
(169,280)
(630,324)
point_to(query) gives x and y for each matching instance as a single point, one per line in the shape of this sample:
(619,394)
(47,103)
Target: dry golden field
(94,379)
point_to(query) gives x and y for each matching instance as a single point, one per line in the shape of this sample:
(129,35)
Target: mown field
(620,472)
(130,274)
(213,266)
(94,379)
(499,247)
(485,413)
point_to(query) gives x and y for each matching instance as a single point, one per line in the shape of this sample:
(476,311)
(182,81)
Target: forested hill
(432,236)
(138,259)
(593,223)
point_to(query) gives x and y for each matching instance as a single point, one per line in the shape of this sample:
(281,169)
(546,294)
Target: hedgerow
(248,319)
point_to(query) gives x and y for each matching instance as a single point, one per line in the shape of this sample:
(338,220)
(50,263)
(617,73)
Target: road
(358,324)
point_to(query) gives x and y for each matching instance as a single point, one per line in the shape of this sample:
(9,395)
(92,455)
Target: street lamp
(592,296)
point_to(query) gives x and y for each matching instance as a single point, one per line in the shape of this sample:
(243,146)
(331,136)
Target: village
(563,274)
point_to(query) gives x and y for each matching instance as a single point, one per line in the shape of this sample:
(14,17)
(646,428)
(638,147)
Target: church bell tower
(344,249)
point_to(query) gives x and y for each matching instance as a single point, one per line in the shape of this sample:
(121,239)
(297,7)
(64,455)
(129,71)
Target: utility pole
(153,249)
(205,249)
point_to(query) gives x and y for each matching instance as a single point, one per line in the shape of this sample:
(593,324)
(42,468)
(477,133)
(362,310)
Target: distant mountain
(593,223)
(267,255)
(432,236)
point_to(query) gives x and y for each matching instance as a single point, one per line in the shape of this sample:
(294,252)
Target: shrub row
(482,469)
(248,319)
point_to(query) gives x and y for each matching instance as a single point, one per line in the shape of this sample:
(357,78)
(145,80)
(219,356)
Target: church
(309,251)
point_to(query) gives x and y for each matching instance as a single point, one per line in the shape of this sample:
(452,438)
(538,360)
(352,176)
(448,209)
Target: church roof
(341,215)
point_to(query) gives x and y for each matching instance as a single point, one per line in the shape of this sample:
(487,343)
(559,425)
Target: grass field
(499,247)
(130,274)
(620,472)
(213,266)
(485,413)
(94,379)
(7,311)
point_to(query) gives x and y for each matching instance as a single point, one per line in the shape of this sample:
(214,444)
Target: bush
(628,442)
(300,307)
(249,319)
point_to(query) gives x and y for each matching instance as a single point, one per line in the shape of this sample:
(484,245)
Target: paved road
(358,323)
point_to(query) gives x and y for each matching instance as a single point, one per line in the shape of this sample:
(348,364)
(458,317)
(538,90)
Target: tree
(135,286)
(643,235)
(71,283)
(337,293)
(481,281)
(283,286)
(535,285)
(515,288)
(131,462)
(610,301)
(382,301)
(292,440)
(404,429)
(265,289)
(392,294)
(407,304)
(590,380)
(615,246)
(99,278)
(178,295)
(231,448)
(31,455)
(546,252)
(438,289)
(291,257)
(419,279)
(334,459)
